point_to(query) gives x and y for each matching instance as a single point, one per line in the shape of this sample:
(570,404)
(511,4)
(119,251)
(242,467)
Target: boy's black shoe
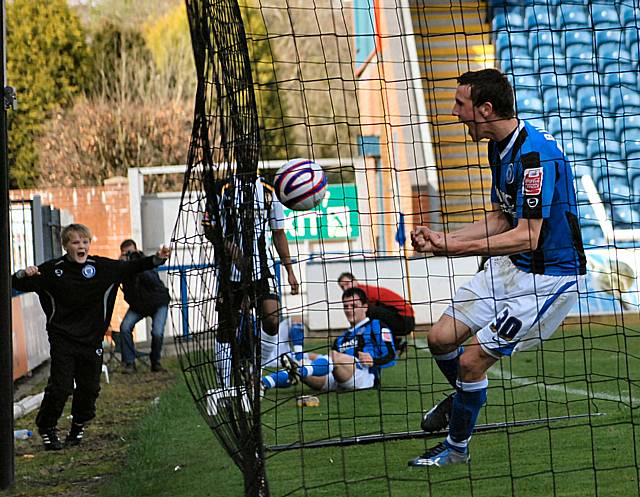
(156,367)
(74,437)
(50,438)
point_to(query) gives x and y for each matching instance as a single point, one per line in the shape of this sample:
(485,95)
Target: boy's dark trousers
(69,362)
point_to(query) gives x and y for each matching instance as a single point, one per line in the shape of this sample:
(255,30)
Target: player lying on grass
(536,265)
(357,357)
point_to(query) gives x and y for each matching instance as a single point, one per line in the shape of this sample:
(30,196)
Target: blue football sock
(448,364)
(296,335)
(279,379)
(467,403)
(319,367)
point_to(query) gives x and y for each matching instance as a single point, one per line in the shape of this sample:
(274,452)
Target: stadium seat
(505,41)
(622,102)
(576,37)
(629,16)
(548,59)
(529,105)
(631,37)
(518,66)
(592,235)
(510,21)
(526,83)
(604,16)
(609,39)
(631,149)
(597,127)
(627,79)
(571,16)
(573,149)
(627,127)
(543,38)
(613,61)
(538,17)
(509,53)
(590,101)
(559,101)
(580,58)
(581,168)
(604,149)
(553,80)
(557,126)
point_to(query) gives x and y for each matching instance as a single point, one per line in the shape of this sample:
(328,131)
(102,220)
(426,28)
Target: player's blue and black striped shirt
(372,337)
(532,179)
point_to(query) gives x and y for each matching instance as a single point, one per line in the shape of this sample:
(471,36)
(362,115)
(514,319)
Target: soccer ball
(300,184)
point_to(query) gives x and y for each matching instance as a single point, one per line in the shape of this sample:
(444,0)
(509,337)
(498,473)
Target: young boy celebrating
(77,292)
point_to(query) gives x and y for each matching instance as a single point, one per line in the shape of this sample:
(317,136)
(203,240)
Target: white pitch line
(559,388)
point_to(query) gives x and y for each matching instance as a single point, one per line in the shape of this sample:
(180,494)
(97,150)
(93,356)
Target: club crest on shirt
(89,271)
(58,272)
(532,182)
(509,177)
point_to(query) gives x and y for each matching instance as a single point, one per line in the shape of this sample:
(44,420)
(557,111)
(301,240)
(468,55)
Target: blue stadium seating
(525,95)
(575,37)
(590,101)
(553,80)
(604,15)
(548,59)
(580,58)
(518,66)
(542,38)
(605,149)
(592,236)
(557,126)
(505,42)
(526,83)
(630,15)
(558,101)
(511,21)
(622,102)
(571,16)
(613,61)
(631,148)
(627,127)
(538,16)
(627,79)
(574,149)
(597,127)
(610,39)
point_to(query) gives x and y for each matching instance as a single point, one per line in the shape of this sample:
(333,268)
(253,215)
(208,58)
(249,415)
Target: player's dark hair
(490,85)
(128,241)
(347,275)
(355,292)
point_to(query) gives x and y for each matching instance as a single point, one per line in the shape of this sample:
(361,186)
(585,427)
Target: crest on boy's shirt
(532,182)
(386,335)
(88,271)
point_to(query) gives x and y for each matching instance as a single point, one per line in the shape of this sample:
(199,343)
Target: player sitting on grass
(357,357)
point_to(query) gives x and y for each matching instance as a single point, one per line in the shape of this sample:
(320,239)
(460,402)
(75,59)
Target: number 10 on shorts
(507,327)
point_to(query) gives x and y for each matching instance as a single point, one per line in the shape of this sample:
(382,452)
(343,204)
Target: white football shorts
(510,310)
(361,379)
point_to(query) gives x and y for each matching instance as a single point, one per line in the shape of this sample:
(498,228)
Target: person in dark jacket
(147,296)
(77,292)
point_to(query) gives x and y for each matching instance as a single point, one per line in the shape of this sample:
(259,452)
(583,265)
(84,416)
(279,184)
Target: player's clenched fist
(421,239)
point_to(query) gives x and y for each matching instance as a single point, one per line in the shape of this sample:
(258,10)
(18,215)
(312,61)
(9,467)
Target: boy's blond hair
(80,229)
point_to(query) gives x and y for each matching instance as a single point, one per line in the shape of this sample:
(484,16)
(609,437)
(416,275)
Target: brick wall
(104,209)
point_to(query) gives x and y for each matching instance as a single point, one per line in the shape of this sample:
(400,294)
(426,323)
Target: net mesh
(366,88)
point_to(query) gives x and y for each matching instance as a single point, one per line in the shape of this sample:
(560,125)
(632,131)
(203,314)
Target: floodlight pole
(6,342)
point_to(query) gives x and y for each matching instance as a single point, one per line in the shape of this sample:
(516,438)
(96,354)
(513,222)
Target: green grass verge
(171,451)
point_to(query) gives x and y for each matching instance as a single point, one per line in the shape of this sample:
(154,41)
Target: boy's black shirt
(78,299)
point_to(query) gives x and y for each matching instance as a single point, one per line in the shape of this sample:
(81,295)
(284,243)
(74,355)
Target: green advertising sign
(335,218)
